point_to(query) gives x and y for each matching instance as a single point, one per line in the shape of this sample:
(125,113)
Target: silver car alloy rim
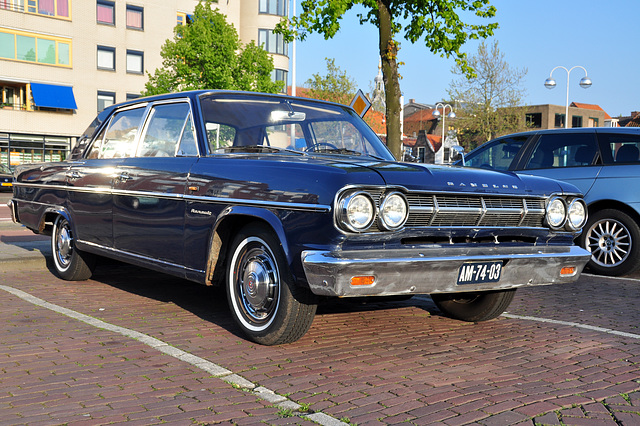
(609,242)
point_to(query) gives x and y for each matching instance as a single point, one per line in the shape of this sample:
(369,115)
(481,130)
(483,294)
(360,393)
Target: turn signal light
(568,271)
(363,280)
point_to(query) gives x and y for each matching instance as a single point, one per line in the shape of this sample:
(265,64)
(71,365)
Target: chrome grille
(470,210)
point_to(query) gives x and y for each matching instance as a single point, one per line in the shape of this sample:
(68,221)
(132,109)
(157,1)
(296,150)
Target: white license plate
(480,272)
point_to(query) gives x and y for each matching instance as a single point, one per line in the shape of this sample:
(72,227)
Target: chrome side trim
(280,205)
(138,256)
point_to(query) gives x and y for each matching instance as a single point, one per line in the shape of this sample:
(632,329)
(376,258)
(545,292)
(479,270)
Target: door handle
(73,175)
(124,176)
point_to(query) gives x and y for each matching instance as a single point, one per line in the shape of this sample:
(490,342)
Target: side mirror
(457,154)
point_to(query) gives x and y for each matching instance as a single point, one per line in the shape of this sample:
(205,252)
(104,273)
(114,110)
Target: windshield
(258,123)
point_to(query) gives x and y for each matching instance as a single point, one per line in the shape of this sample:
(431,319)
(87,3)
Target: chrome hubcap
(258,285)
(64,244)
(609,242)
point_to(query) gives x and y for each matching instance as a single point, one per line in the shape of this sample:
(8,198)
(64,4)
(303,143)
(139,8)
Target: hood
(427,177)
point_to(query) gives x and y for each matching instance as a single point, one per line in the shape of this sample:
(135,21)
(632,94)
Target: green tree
(435,22)
(208,54)
(335,86)
(489,103)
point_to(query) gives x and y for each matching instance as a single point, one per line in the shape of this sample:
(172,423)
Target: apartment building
(63,61)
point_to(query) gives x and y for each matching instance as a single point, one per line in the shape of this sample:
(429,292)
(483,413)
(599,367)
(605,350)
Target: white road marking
(214,369)
(573,324)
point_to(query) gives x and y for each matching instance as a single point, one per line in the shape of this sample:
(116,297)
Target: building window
(593,122)
(105,99)
(559,121)
(272,42)
(106,12)
(274,7)
(135,62)
(15,5)
(132,96)
(55,8)
(534,120)
(135,17)
(576,121)
(280,75)
(23,46)
(106,58)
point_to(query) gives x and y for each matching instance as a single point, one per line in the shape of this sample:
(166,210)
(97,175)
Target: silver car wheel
(609,242)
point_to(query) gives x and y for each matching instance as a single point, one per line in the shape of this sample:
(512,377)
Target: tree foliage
(335,86)
(488,101)
(207,54)
(436,23)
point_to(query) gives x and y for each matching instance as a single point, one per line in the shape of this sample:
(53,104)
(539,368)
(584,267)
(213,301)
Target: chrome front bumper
(436,270)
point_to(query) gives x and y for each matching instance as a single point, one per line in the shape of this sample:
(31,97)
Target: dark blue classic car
(285,201)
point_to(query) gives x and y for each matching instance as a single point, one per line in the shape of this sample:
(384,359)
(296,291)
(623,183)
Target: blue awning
(53,96)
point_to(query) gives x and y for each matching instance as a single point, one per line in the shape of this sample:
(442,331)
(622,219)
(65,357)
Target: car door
(572,157)
(90,179)
(621,171)
(149,186)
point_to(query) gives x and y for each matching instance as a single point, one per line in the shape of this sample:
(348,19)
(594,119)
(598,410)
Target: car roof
(623,130)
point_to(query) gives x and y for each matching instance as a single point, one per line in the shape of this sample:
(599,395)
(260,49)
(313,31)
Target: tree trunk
(388,55)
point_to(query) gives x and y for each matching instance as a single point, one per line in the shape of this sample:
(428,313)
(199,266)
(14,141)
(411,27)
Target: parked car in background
(603,163)
(285,200)
(6,178)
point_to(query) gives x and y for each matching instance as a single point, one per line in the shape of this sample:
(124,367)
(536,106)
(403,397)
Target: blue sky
(537,35)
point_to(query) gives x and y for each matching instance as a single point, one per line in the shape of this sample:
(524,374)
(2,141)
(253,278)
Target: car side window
(163,130)
(119,138)
(499,155)
(188,144)
(563,150)
(622,148)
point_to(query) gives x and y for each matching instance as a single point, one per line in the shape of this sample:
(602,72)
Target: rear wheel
(71,264)
(474,307)
(266,304)
(613,238)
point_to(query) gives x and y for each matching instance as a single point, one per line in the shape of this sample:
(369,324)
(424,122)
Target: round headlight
(556,212)
(577,215)
(358,211)
(393,211)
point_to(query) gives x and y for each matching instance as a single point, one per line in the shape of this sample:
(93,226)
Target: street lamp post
(550,83)
(440,154)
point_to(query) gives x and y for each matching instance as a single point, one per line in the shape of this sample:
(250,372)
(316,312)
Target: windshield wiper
(256,148)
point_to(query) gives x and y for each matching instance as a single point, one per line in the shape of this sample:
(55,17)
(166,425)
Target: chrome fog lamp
(357,211)
(556,212)
(394,211)
(577,215)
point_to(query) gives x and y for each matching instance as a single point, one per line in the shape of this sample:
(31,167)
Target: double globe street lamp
(550,83)
(439,158)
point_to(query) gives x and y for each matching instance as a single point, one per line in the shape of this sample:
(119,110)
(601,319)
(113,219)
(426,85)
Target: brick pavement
(368,364)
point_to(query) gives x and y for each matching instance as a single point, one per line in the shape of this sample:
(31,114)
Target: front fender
(229,221)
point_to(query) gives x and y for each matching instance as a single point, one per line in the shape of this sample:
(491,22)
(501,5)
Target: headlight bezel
(384,219)
(343,211)
(570,223)
(562,220)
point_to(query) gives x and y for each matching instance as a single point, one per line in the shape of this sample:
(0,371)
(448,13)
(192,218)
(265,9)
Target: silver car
(603,163)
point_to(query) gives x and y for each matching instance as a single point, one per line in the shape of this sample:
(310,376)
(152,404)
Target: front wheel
(264,302)
(474,307)
(71,264)
(613,238)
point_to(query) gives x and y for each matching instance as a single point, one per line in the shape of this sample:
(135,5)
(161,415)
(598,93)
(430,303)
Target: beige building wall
(85,35)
